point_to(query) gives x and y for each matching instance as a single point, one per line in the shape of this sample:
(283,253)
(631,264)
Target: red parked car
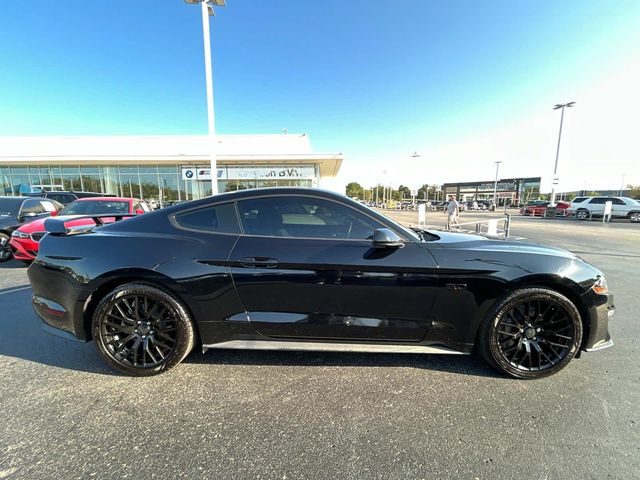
(538,208)
(25,239)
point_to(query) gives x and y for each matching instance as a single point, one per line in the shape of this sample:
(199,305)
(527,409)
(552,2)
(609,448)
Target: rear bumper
(59,299)
(599,316)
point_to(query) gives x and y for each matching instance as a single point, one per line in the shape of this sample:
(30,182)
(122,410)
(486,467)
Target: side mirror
(54,213)
(385,238)
(139,211)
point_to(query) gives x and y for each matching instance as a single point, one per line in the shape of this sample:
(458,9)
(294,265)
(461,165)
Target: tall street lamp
(207,11)
(555,168)
(495,185)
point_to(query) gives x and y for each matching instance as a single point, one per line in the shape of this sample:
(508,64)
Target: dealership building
(509,190)
(162,168)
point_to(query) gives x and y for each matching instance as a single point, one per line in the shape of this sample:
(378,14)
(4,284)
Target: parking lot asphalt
(285,415)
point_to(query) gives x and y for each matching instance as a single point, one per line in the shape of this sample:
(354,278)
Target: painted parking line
(16,290)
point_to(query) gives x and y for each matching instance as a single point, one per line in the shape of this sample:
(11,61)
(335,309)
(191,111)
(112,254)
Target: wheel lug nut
(144,336)
(139,323)
(535,338)
(538,329)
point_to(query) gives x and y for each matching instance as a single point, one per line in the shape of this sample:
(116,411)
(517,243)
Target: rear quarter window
(217,219)
(579,199)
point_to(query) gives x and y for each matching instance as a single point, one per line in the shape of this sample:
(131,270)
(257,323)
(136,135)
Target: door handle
(258,262)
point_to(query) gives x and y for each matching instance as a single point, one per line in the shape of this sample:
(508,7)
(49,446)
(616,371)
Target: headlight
(18,234)
(601,287)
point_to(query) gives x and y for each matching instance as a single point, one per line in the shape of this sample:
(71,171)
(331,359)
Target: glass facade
(153,183)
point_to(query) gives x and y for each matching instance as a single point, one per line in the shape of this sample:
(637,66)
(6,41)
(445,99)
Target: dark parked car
(66,198)
(304,269)
(16,212)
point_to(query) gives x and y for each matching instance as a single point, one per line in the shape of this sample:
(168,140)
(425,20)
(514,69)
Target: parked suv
(621,207)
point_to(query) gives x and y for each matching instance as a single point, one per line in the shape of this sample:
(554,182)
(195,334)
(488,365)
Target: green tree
(355,190)
(633,191)
(402,192)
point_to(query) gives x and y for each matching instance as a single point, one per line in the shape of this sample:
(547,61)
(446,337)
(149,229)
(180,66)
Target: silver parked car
(621,207)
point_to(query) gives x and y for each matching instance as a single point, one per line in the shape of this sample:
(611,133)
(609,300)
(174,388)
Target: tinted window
(32,207)
(95,207)
(579,199)
(304,217)
(617,201)
(598,200)
(61,197)
(220,218)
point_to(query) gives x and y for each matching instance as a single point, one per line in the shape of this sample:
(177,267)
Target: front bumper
(600,313)
(24,249)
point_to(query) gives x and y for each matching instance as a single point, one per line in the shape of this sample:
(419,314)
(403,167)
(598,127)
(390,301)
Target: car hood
(469,241)
(6,220)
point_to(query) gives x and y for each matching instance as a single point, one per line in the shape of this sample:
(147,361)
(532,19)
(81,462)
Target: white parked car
(621,207)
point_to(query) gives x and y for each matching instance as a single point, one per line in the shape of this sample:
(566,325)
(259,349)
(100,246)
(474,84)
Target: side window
(617,201)
(31,208)
(218,218)
(579,199)
(304,217)
(49,206)
(598,201)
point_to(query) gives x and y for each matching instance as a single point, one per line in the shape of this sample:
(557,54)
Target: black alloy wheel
(6,252)
(142,330)
(532,333)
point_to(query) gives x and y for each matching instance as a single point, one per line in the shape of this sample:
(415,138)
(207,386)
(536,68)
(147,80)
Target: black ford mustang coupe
(304,269)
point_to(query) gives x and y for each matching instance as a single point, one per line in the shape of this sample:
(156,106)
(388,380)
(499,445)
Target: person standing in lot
(453,209)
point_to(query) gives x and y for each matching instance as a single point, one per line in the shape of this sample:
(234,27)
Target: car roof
(107,199)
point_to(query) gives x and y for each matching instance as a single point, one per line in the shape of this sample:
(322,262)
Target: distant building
(509,191)
(162,168)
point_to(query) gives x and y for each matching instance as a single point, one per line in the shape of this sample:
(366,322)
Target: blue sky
(374,80)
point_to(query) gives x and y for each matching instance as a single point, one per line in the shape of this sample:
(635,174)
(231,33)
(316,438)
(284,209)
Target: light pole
(207,11)
(555,168)
(495,185)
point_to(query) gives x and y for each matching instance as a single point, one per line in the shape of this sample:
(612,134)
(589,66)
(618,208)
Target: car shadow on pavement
(458,364)
(22,337)
(13,264)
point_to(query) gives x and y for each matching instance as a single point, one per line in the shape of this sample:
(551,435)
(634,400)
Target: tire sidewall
(185,334)
(6,246)
(515,298)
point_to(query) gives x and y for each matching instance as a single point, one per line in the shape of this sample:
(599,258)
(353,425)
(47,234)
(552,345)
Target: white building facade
(162,168)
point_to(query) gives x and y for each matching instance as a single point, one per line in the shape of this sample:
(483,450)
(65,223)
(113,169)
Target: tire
(582,214)
(634,217)
(142,330)
(6,253)
(530,320)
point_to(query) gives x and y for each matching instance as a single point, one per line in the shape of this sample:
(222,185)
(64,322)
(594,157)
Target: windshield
(95,207)
(9,206)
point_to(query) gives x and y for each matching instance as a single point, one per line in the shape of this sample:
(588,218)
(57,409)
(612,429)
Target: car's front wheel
(634,217)
(582,214)
(142,330)
(6,253)
(531,333)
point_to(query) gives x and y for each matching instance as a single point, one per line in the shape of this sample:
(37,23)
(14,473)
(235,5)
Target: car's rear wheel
(531,333)
(582,214)
(634,217)
(142,330)
(5,249)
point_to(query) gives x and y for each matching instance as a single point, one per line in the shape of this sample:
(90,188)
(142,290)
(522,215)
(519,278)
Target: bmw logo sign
(188,174)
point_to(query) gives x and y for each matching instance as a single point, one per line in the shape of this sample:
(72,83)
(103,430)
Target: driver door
(305,267)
